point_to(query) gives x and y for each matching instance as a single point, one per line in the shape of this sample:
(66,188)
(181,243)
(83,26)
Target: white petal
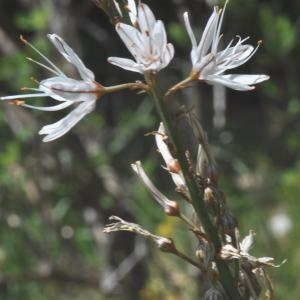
(56,130)
(131,5)
(167,56)
(22,96)
(246,79)
(127,64)
(68,89)
(236,81)
(232,58)
(71,57)
(131,37)
(159,37)
(146,18)
(208,34)
(247,242)
(189,29)
(216,38)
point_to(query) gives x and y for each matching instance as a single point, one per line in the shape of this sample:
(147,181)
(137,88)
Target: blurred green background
(56,197)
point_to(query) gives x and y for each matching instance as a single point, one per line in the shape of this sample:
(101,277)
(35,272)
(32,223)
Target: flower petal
(167,56)
(131,6)
(59,128)
(146,18)
(127,64)
(131,37)
(69,89)
(71,57)
(237,81)
(208,34)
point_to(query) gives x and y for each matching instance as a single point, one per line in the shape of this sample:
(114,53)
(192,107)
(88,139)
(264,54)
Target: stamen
(17,102)
(42,65)
(34,80)
(14,97)
(59,72)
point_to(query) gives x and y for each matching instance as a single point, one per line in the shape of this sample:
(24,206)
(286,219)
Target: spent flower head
(67,91)
(209,63)
(170,207)
(172,164)
(146,39)
(118,224)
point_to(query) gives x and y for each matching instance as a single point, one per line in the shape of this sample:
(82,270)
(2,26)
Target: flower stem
(197,198)
(180,85)
(125,86)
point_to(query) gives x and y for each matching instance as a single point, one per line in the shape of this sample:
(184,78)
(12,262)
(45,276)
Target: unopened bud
(172,208)
(166,245)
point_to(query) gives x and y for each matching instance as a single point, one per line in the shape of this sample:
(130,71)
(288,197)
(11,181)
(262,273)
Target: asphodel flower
(146,40)
(67,91)
(209,63)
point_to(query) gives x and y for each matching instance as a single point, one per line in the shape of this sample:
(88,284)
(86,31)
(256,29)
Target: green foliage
(279,32)
(35,19)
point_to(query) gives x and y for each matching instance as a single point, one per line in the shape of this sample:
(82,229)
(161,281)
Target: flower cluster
(146,40)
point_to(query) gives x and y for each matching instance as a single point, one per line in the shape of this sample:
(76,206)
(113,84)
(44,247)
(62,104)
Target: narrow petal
(236,81)
(247,79)
(146,18)
(127,64)
(159,37)
(247,242)
(56,130)
(190,32)
(131,6)
(71,57)
(167,56)
(69,89)
(217,33)
(208,34)
(131,37)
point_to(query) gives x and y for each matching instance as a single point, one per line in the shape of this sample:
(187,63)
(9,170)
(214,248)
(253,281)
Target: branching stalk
(197,198)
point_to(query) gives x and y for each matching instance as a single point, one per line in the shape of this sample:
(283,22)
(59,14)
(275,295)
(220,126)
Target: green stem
(197,198)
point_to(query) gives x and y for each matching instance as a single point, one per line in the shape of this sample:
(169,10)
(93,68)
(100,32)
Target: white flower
(209,64)
(65,90)
(146,40)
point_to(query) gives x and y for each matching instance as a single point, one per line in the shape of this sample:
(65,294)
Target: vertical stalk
(197,199)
